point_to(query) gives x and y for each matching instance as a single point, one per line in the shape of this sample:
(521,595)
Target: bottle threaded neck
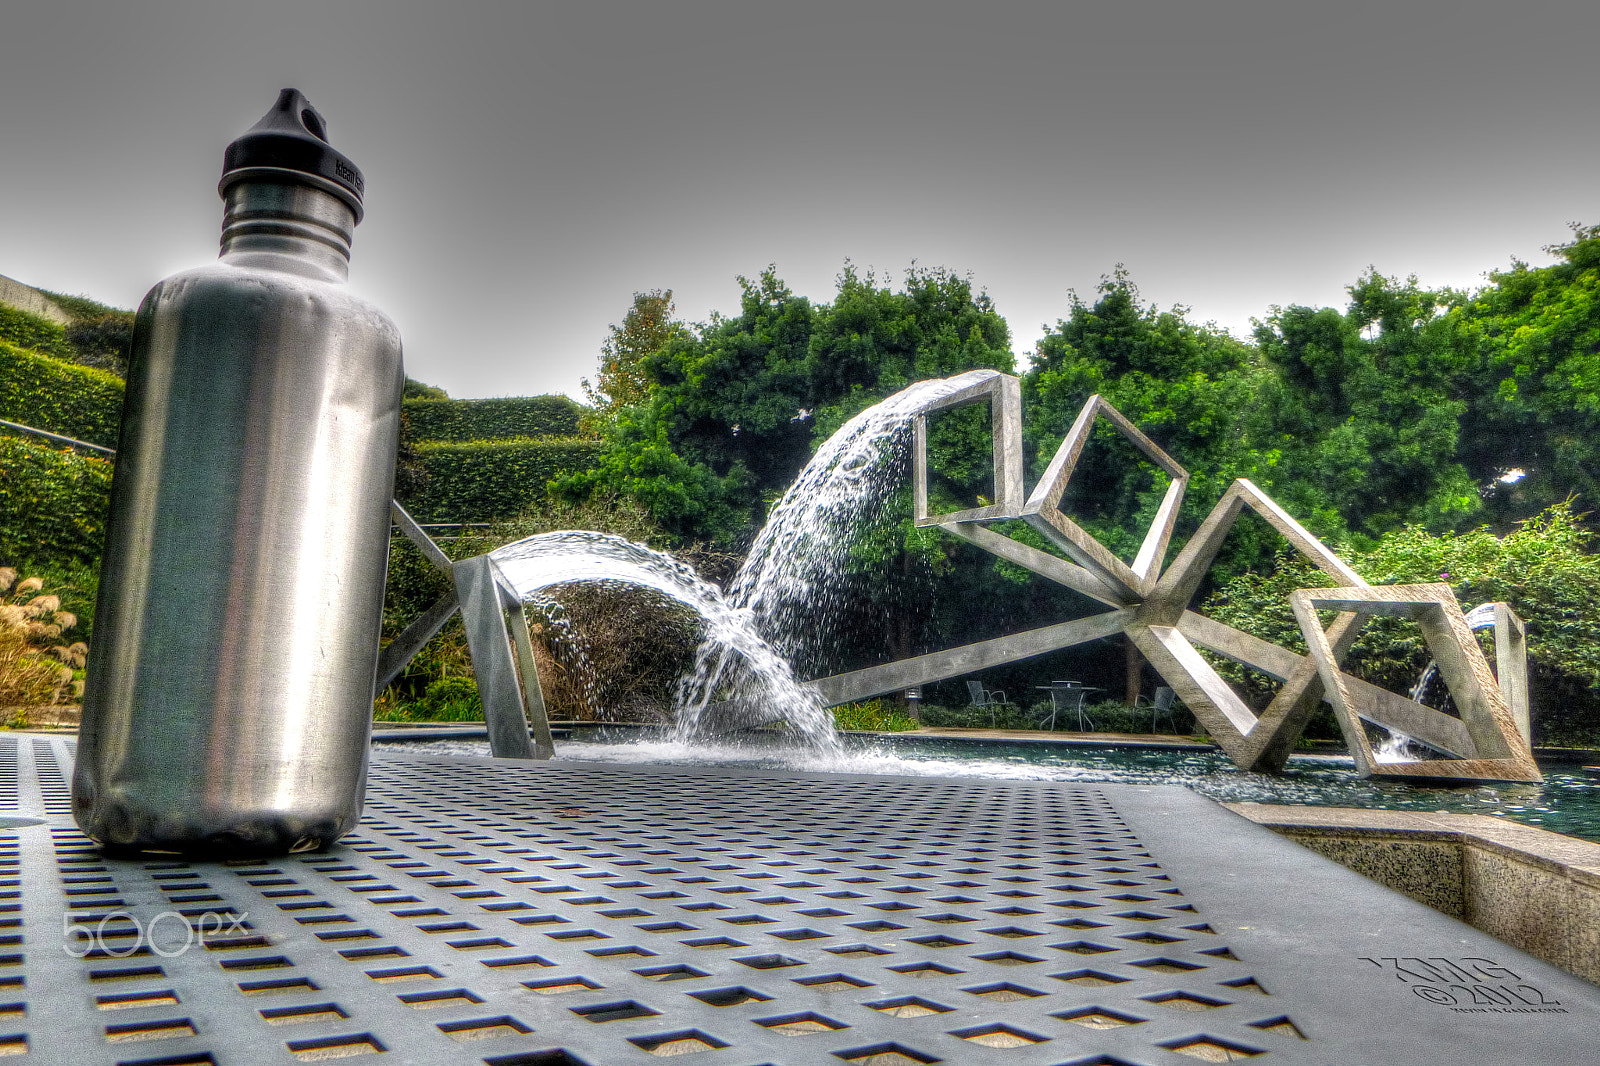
(288,218)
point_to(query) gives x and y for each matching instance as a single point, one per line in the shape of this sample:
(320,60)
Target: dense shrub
(47,393)
(873,716)
(103,341)
(419,390)
(1544,569)
(53,504)
(484,481)
(1009,716)
(99,336)
(475,420)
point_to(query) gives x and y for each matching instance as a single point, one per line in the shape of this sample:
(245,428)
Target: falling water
(1399,747)
(787,580)
(755,685)
(783,596)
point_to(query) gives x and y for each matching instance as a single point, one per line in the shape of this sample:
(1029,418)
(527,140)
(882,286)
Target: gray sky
(530,166)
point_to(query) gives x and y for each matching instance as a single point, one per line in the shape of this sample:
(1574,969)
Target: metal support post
(544,745)
(490,646)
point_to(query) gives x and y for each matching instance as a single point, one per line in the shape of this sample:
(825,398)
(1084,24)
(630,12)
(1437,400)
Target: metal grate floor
(516,915)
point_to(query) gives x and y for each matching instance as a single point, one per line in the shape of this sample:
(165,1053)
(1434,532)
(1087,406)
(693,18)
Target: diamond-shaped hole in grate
(1212,1049)
(1100,1018)
(335,1047)
(999,1036)
(1004,992)
(614,1012)
(678,972)
(730,997)
(165,997)
(450,997)
(151,1030)
(886,1054)
(316,1012)
(833,982)
(1281,1025)
(1185,1001)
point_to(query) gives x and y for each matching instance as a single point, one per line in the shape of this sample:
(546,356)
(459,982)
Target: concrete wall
(26,298)
(1536,890)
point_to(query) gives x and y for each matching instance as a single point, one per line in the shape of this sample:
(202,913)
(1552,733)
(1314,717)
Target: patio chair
(1161,705)
(987,699)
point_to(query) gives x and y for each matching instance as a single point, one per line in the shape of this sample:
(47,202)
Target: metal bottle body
(229,695)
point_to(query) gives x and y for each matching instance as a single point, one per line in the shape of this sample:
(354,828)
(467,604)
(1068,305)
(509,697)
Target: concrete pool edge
(1534,889)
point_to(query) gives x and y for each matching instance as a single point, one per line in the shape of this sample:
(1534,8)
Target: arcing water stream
(756,684)
(788,578)
(780,594)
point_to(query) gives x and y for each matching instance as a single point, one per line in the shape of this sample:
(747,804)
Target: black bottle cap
(292,137)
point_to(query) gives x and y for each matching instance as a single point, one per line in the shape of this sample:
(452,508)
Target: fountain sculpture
(1149,601)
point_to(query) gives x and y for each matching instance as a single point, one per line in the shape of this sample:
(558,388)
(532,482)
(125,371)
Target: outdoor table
(1060,689)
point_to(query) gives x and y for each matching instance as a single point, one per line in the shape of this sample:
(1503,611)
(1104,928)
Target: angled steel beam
(1511,665)
(1044,564)
(925,669)
(392,659)
(416,535)
(1042,510)
(1272,740)
(1499,752)
(544,745)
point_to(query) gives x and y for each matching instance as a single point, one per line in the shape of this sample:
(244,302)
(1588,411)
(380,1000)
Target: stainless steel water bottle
(229,696)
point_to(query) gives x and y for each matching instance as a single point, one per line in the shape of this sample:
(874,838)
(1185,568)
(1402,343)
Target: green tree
(646,329)
(1190,388)
(735,407)
(1363,415)
(1534,336)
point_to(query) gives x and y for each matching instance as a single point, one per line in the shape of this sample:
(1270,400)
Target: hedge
(53,504)
(485,481)
(471,420)
(28,330)
(46,393)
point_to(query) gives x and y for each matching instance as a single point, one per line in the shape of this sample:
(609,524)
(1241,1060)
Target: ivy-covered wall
(489,480)
(47,393)
(53,504)
(28,330)
(477,420)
